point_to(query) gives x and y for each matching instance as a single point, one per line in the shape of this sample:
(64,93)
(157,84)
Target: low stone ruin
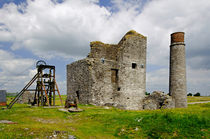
(3,99)
(158,100)
(27,97)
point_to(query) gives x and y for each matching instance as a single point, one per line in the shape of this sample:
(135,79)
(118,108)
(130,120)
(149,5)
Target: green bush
(189,94)
(197,94)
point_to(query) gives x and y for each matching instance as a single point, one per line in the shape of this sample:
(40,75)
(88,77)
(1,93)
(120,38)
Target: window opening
(114,75)
(134,65)
(77,93)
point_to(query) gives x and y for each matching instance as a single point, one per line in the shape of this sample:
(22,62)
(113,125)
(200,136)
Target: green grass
(197,99)
(57,99)
(97,122)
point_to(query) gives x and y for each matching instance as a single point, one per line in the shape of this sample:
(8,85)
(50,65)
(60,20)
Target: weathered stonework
(115,75)
(3,100)
(158,100)
(177,79)
(111,74)
(27,97)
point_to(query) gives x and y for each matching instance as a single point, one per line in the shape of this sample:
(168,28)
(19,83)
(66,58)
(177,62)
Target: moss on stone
(96,43)
(133,33)
(99,43)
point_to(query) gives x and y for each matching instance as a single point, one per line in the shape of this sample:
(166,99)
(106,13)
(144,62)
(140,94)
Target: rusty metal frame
(45,86)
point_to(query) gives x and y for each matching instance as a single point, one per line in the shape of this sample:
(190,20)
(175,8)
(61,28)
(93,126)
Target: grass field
(197,99)
(100,122)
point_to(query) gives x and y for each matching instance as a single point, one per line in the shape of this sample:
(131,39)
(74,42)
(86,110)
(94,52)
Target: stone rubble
(158,100)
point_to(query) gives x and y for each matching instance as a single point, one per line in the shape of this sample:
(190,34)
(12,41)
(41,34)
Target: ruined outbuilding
(27,97)
(3,98)
(112,74)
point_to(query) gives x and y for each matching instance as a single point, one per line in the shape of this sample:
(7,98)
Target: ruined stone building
(112,74)
(27,97)
(3,98)
(115,75)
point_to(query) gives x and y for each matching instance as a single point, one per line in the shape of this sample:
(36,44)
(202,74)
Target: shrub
(197,94)
(189,94)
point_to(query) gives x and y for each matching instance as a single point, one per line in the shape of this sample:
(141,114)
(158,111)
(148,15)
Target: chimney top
(177,37)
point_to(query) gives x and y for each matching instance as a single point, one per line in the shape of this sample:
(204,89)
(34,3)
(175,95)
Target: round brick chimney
(177,37)
(177,77)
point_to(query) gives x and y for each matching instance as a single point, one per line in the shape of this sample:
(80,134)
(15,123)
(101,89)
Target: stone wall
(79,81)
(100,50)
(3,98)
(27,97)
(132,73)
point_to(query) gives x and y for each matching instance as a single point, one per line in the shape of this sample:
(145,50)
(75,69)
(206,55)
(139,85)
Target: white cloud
(162,17)
(158,80)
(198,80)
(65,29)
(14,71)
(62,87)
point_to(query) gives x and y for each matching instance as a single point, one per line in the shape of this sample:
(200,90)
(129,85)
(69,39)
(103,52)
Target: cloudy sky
(59,32)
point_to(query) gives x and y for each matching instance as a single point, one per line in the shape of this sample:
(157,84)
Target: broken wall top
(133,33)
(111,51)
(102,50)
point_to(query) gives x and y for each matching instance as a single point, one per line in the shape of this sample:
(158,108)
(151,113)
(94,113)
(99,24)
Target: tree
(189,94)
(197,94)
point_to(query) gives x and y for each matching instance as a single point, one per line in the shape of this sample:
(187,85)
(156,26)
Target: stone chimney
(177,77)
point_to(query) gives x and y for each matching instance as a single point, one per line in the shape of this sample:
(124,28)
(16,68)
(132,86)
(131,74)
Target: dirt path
(198,102)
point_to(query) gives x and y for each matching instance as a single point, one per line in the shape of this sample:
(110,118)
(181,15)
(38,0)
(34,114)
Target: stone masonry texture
(27,97)
(158,100)
(177,77)
(115,75)
(3,99)
(112,74)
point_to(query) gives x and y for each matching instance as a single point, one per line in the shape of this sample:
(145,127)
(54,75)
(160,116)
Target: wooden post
(42,96)
(45,94)
(49,88)
(53,87)
(59,93)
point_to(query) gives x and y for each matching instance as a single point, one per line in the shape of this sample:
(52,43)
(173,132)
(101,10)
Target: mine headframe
(46,86)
